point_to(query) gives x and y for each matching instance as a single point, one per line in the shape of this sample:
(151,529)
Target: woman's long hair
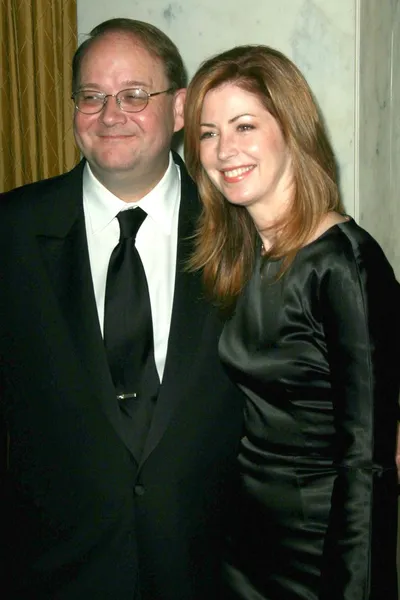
(226,236)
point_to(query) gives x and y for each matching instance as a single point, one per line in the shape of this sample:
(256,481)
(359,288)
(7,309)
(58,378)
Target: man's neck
(127,186)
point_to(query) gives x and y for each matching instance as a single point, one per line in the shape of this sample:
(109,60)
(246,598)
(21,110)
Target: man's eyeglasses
(131,100)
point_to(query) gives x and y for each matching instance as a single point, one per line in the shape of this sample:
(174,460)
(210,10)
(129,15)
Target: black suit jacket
(81,518)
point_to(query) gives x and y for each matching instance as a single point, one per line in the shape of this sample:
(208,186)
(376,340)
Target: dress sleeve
(359,299)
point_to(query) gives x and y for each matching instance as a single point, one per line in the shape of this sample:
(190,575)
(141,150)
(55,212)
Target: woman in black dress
(312,338)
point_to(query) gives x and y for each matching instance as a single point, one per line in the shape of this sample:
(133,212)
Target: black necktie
(128,330)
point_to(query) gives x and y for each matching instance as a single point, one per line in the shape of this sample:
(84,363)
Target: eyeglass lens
(131,100)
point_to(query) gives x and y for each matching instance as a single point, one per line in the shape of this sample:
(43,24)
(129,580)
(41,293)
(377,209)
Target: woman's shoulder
(346,252)
(345,240)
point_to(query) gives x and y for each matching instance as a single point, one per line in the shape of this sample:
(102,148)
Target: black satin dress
(317,354)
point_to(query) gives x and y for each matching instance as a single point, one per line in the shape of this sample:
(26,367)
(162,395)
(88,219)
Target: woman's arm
(358,299)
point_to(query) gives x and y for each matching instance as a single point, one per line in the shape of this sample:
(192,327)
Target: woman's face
(243,151)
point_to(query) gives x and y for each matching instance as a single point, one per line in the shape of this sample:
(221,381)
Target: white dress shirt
(156,243)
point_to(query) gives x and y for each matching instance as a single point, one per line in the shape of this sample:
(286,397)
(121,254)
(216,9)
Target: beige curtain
(37,41)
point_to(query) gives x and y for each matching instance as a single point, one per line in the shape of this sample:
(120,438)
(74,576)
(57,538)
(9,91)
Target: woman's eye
(245,127)
(207,135)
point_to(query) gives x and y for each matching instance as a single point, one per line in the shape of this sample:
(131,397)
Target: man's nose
(111,112)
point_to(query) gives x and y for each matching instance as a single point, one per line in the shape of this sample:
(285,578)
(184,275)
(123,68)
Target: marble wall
(347,49)
(378,144)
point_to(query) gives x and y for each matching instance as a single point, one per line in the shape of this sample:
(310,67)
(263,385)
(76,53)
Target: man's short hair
(150,37)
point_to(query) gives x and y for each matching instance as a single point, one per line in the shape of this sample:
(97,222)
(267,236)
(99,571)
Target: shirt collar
(101,205)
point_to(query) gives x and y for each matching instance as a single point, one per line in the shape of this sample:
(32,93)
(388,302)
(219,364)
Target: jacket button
(139,489)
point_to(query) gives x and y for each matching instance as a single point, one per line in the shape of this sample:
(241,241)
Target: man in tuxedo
(116,483)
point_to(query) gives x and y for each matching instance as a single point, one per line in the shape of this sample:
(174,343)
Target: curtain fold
(38,39)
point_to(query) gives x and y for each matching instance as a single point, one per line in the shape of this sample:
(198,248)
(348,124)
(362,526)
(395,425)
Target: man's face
(121,146)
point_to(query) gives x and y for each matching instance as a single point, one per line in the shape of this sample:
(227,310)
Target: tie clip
(126,396)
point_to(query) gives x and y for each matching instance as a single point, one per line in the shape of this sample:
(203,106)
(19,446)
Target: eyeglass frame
(106,96)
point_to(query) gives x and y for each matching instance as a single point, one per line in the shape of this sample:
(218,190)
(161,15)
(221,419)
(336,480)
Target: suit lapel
(188,313)
(62,239)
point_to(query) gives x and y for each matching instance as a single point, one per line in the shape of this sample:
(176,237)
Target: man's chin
(113,167)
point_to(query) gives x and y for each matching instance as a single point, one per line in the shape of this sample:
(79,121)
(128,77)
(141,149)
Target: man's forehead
(121,41)
(122,47)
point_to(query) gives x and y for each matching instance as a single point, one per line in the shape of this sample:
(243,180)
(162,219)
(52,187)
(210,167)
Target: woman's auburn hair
(226,237)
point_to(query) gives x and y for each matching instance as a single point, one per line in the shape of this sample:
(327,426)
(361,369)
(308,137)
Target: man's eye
(91,97)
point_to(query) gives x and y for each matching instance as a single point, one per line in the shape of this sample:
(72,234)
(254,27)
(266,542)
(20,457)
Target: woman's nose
(226,147)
